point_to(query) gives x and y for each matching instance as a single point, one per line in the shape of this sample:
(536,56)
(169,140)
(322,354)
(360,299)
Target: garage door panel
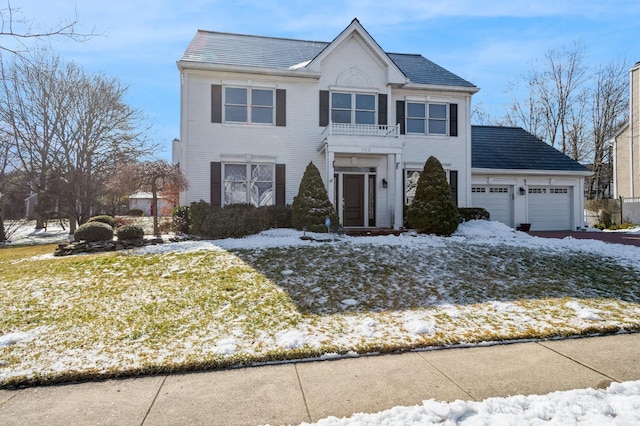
(550,208)
(496,199)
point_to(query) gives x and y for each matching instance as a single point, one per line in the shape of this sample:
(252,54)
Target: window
(353,108)
(242,105)
(426,118)
(249,184)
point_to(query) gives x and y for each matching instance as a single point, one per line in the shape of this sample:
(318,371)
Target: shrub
(180,220)
(433,210)
(278,216)
(311,206)
(232,221)
(466,214)
(135,212)
(93,231)
(103,218)
(130,232)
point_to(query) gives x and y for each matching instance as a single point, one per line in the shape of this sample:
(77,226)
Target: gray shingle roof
(513,148)
(281,53)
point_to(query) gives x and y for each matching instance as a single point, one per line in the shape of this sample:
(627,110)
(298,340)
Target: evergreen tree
(433,210)
(311,206)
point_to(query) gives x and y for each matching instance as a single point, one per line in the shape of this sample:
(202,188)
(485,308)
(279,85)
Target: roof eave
(448,88)
(536,172)
(203,66)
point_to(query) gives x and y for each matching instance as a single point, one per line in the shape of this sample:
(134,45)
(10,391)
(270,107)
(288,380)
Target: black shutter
(453,119)
(216,103)
(280,184)
(281,107)
(453,183)
(400,116)
(324,108)
(216,183)
(382,110)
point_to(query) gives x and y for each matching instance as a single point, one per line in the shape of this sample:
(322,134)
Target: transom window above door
(353,108)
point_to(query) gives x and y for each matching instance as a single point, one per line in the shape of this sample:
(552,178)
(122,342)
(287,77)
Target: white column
(398,219)
(330,171)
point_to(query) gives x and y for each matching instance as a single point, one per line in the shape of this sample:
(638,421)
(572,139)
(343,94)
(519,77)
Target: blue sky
(486,42)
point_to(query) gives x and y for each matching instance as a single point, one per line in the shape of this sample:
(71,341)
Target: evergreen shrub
(130,232)
(93,231)
(466,214)
(312,205)
(104,218)
(433,210)
(135,212)
(180,220)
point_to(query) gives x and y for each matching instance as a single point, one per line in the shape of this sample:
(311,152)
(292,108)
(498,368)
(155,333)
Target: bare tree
(553,92)
(609,112)
(151,176)
(68,130)
(19,29)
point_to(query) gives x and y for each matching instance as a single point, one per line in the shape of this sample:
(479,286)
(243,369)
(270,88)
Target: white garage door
(550,208)
(496,199)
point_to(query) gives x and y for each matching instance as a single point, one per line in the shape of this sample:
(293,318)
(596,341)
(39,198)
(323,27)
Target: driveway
(628,238)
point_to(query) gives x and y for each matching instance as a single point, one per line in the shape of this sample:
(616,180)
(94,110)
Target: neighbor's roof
(280,53)
(513,148)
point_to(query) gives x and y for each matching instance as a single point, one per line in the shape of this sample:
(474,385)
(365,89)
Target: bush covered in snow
(93,231)
(312,205)
(433,210)
(180,220)
(130,232)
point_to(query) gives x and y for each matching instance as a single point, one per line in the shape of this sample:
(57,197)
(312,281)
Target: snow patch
(290,339)
(10,339)
(415,324)
(588,314)
(619,404)
(226,347)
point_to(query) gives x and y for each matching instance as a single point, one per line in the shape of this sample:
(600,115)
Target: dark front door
(353,193)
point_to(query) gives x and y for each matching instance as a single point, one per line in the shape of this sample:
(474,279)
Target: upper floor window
(353,108)
(427,118)
(243,105)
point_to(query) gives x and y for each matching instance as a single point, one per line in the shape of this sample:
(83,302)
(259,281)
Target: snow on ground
(619,404)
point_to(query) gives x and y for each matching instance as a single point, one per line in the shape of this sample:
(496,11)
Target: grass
(115,314)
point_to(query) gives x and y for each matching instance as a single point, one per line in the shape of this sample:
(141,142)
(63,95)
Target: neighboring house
(256,110)
(143,201)
(520,179)
(626,147)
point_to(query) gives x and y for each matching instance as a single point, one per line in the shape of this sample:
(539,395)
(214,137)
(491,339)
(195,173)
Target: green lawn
(126,313)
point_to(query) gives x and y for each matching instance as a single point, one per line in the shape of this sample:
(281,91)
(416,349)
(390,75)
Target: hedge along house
(520,179)
(256,110)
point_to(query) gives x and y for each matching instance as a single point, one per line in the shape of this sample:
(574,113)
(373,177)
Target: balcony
(361,138)
(377,130)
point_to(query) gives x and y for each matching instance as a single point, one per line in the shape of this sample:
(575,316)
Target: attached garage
(520,179)
(496,199)
(550,208)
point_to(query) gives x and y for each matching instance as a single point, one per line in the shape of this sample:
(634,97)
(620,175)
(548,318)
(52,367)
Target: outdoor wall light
(384,183)
(522,191)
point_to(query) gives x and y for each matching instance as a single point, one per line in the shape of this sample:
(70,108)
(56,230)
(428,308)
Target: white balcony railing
(362,130)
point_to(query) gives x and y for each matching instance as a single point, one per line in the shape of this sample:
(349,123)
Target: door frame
(370,205)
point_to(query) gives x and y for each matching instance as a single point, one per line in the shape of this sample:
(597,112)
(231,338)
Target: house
(626,146)
(144,202)
(256,110)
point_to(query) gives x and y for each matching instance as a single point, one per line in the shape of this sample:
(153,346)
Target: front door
(353,199)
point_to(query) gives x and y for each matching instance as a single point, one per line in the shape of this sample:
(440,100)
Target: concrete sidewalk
(308,391)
